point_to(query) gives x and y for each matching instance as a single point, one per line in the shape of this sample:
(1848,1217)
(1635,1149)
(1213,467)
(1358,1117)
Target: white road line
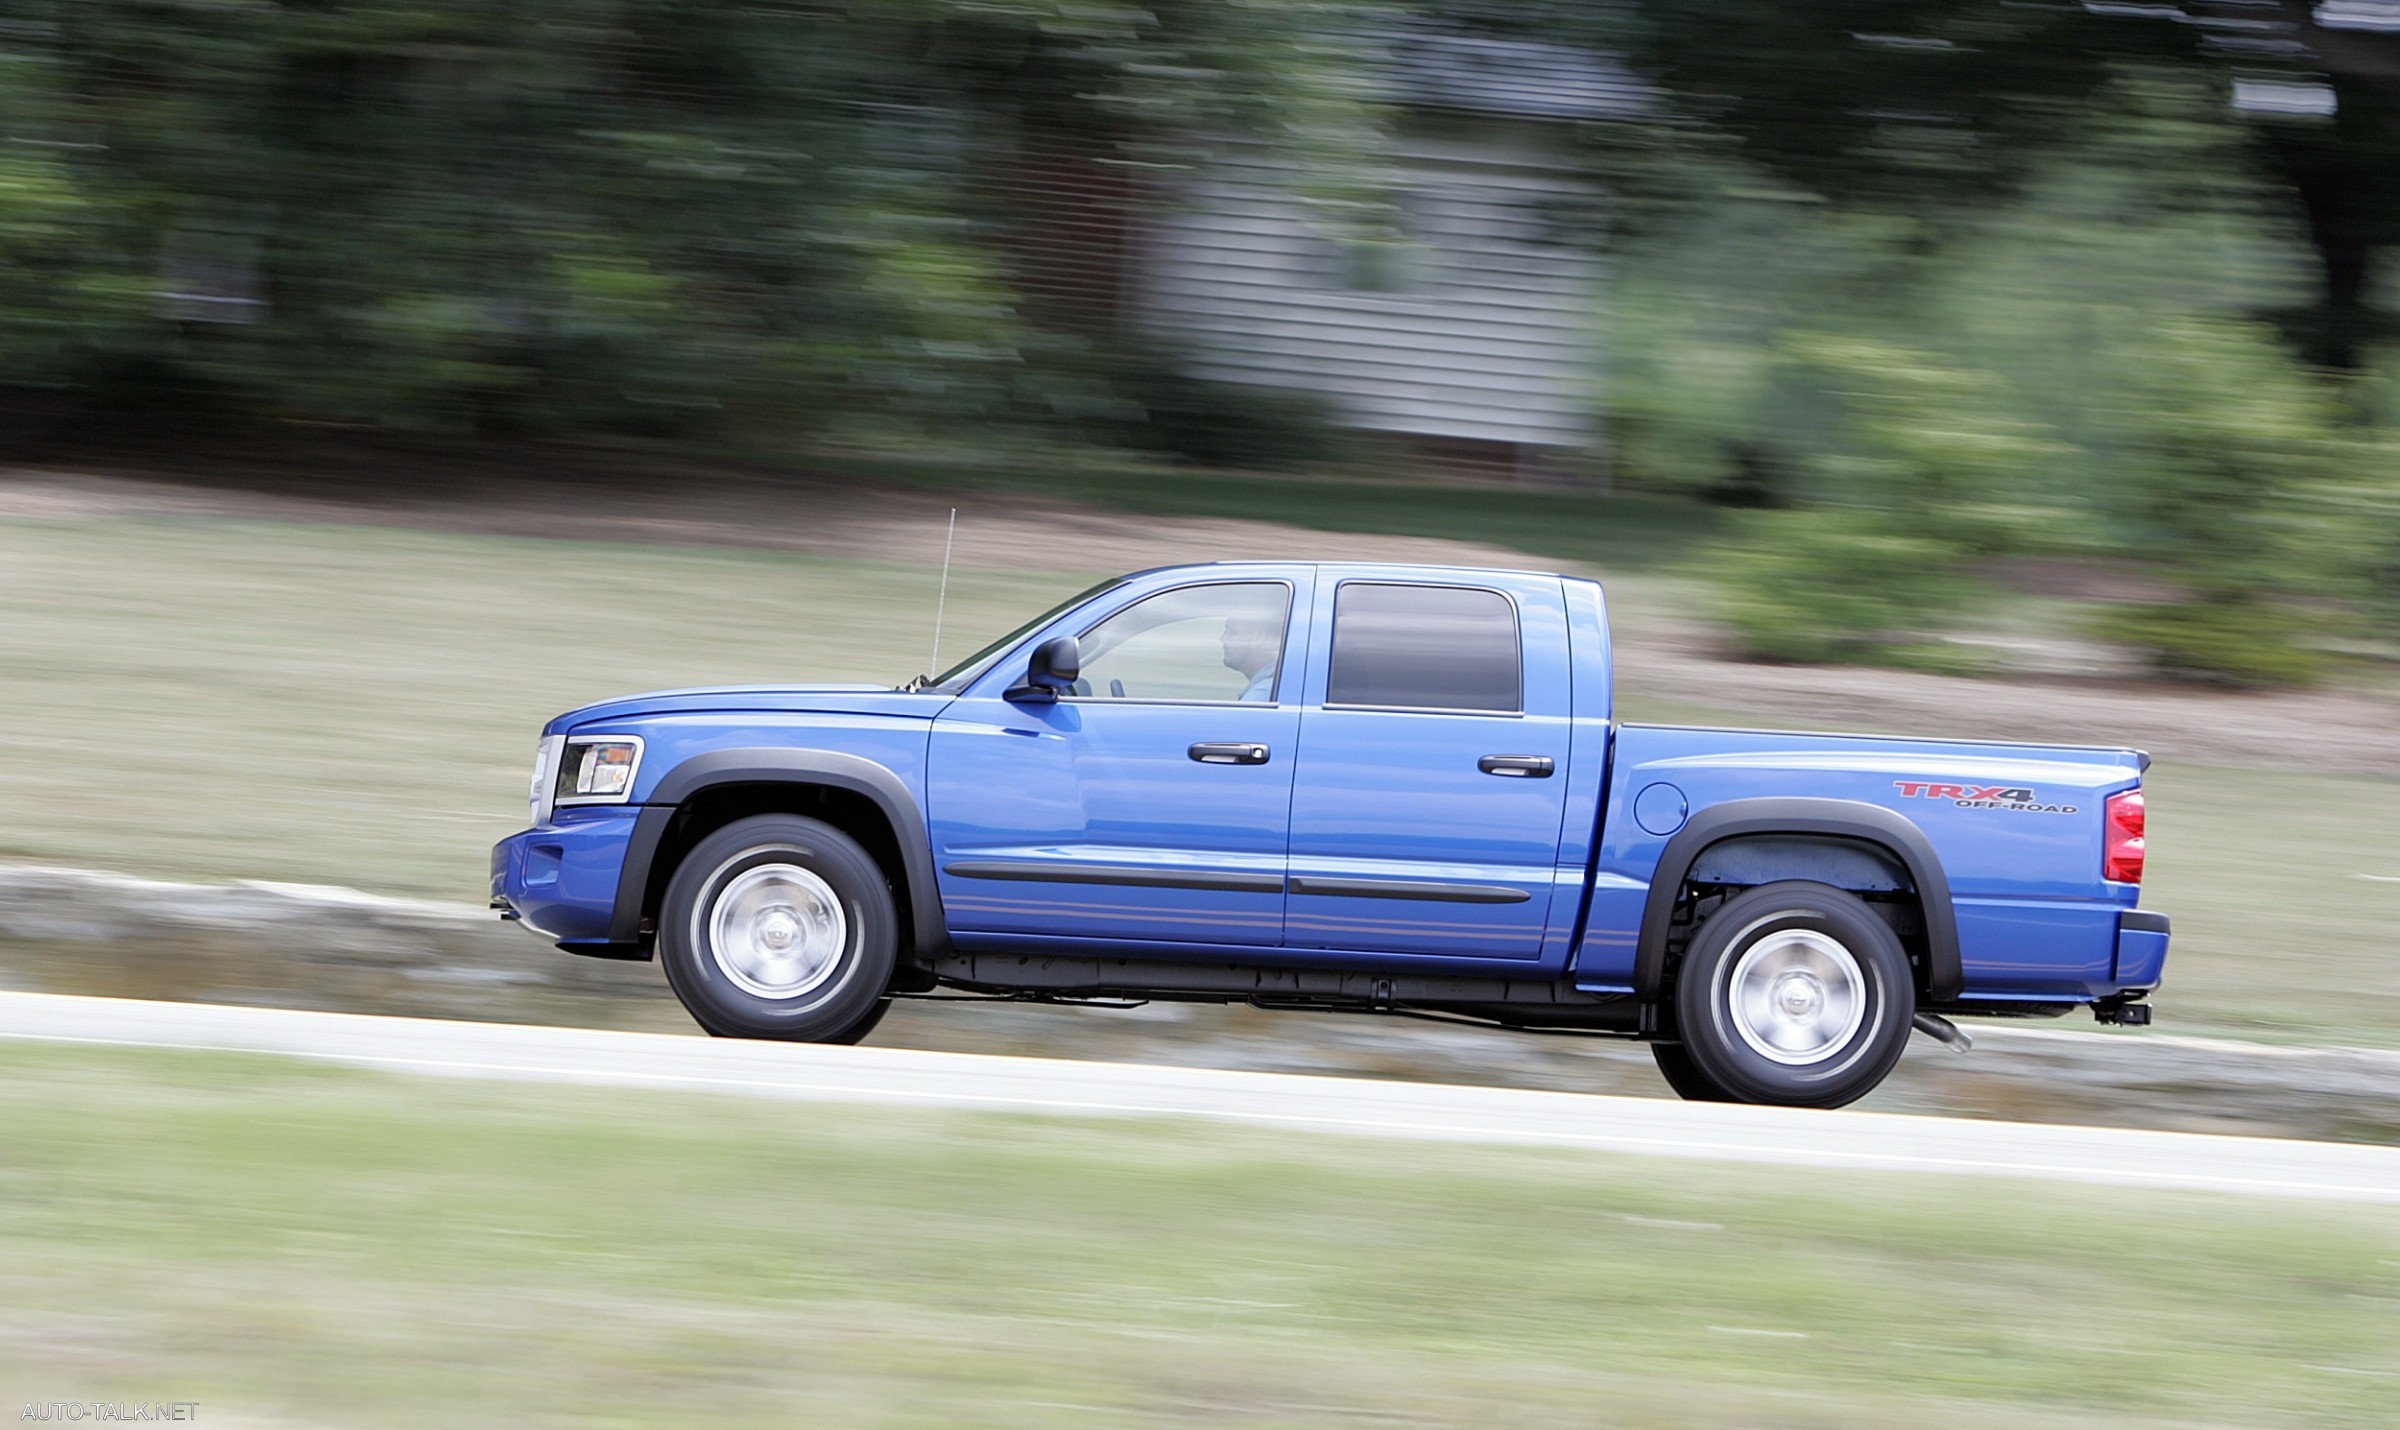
(1852,1140)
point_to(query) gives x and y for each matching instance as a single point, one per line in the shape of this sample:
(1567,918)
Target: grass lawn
(208,698)
(358,705)
(2285,890)
(290,1244)
(1623,532)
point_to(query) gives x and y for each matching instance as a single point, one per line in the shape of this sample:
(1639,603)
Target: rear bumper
(2057,950)
(560,879)
(2141,948)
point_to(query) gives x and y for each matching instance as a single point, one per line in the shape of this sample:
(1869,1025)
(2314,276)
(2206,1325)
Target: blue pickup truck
(1364,788)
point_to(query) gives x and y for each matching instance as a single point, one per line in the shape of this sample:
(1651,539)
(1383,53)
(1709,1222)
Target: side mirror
(1056,664)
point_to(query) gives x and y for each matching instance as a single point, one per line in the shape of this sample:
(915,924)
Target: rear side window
(1425,648)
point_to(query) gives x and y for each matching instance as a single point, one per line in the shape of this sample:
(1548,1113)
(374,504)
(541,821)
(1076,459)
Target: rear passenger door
(1427,804)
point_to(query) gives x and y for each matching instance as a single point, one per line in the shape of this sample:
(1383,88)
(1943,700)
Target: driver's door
(1152,802)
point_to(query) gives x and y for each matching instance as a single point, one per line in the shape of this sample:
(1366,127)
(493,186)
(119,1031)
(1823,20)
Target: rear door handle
(1519,767)
(1229,752)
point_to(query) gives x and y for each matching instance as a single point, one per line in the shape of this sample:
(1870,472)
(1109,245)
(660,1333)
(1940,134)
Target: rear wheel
(1793,994)
(780,927)
(857,1032)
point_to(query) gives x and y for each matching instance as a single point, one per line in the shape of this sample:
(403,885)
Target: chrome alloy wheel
(777,930)
(1797,997)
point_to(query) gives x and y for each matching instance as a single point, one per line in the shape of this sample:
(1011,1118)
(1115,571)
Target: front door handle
(1518,767)
(1229,752)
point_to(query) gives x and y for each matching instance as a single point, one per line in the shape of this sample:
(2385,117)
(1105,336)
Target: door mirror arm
(1055,666)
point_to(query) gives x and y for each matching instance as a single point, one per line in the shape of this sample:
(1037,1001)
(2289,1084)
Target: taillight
(2122,863)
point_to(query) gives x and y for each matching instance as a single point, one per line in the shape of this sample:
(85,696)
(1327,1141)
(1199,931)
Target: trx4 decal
(2020,798)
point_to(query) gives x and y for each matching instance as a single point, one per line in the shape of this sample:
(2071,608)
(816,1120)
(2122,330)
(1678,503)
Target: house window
(1400,259)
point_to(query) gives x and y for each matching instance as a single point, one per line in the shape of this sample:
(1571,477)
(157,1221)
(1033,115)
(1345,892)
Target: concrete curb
(39,901)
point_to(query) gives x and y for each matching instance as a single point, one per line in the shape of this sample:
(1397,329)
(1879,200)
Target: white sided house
(1475,327)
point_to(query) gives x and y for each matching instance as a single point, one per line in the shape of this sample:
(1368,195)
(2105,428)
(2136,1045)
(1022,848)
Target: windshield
(957,677)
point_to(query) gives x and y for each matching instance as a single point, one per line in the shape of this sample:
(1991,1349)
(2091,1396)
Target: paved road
(1857,1140)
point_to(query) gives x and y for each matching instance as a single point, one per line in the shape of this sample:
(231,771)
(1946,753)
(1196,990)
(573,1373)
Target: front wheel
(779,927)
(1793,994)
(1689,1083)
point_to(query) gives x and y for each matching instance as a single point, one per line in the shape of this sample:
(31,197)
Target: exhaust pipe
(1942,1030)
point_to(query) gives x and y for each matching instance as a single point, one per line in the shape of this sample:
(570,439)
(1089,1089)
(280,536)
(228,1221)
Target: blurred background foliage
(1939,294)
(2090,369)
(582,215)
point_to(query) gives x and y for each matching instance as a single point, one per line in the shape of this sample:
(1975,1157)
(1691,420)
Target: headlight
(578,769)
(600,769)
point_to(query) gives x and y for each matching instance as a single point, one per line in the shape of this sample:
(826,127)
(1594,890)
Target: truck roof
(1341,566)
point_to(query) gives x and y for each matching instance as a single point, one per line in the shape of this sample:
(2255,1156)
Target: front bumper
(560,879)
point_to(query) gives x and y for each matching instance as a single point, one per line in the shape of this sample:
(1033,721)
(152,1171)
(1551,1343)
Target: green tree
(579,214)
(2084,371)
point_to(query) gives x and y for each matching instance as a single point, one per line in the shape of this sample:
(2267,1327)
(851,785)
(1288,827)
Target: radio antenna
(941,603)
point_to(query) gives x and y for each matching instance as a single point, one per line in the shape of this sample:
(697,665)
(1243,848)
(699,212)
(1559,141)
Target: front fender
(773,766)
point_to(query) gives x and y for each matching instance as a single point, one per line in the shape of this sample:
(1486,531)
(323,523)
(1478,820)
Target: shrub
(2229,640)
(1926,481)
(1223,424)
(1832,585)
(2222,454)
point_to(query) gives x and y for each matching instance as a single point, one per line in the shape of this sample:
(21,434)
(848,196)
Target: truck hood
(826,699)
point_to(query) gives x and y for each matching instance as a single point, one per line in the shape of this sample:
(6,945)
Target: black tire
(1831,1038)
(795,874)
(1690,1084)
(857,1032)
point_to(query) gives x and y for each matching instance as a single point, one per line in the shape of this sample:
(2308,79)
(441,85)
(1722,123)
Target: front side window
(958,677)
(1425,648)
(1215,642)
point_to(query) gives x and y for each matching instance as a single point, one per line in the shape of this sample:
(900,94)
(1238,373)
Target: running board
(1085,977)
